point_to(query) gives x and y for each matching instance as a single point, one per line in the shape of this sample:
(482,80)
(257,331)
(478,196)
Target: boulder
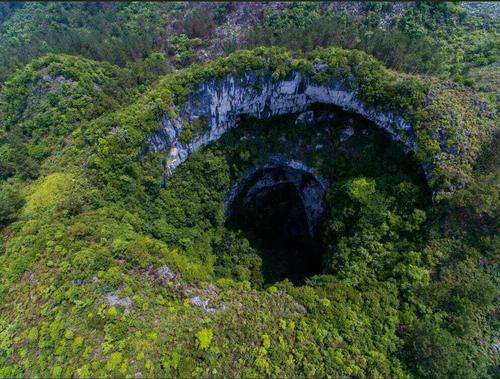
(305,118)
(346,133)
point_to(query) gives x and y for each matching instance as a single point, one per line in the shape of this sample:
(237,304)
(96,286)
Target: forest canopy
(111,265)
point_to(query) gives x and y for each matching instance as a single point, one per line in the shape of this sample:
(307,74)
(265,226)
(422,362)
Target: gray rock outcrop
(346,133)
(223,102)
(305,118)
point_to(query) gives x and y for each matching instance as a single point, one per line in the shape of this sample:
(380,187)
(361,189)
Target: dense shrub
(106,273)
(11,201)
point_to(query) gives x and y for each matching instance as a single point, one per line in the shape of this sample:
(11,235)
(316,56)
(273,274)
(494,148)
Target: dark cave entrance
(281,209)
(280,205)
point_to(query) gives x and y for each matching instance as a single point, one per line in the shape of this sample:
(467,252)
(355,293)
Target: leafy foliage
(119,33)
(106,273)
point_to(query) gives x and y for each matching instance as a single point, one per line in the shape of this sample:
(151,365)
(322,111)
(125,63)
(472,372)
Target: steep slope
(105,273)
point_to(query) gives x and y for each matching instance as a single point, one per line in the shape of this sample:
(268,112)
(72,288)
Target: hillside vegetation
(104,272)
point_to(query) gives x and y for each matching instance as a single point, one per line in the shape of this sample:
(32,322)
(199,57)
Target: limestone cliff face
(311,187)
(222,102)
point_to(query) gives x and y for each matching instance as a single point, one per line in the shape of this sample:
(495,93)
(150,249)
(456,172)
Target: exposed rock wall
(311,187)
(223,102)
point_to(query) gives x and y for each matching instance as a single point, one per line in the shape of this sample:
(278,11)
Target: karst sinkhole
(278,198)
(282,206)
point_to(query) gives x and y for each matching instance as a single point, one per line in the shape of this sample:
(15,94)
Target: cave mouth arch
(280,206)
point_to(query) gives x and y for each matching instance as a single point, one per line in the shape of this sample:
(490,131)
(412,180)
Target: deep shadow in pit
(274,206)
(281,209)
